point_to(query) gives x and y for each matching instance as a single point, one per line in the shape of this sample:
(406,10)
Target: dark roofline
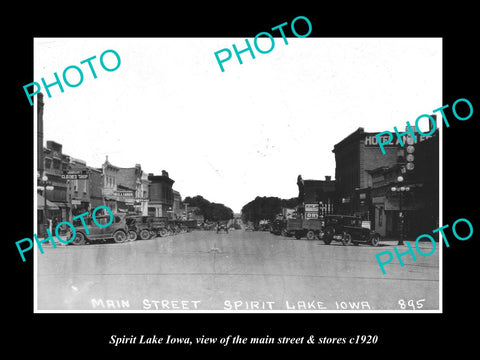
(353,136)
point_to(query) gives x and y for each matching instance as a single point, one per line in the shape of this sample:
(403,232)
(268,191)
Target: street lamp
(400,190)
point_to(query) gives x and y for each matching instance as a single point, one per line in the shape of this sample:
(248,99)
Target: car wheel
(163,232)
(310,235)
(375,240)
(132,235)
(119,236)
(328,235)
(79,239)
(346,239)
(144,234)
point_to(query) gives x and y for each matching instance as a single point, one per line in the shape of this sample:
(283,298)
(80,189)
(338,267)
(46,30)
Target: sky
(248,131)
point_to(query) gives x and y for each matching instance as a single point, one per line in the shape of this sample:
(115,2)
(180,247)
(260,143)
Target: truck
(309,228)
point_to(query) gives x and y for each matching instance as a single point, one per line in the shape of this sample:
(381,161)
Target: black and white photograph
(224,179)
(197,175)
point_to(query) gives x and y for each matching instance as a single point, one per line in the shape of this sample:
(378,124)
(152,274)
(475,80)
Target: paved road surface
(240,270)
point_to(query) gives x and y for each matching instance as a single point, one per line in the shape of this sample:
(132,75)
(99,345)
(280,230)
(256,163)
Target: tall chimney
(40,104)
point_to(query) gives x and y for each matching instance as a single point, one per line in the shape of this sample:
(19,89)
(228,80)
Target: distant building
(109,187)
(320,192)
(132,185)
(160,195)
(178,210)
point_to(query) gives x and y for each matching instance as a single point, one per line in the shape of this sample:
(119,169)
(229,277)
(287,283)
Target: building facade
(133,189)
(109,188)
(365,176)
(55,163)
(160,195)
(78,189)
(177,207)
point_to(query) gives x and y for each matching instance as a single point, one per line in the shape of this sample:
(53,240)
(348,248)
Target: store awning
(41,203)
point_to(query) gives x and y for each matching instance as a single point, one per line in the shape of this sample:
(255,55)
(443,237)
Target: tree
(211,211)
(265,208)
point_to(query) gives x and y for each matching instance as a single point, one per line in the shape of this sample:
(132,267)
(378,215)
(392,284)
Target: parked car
(138,227)
(221,227)
(277,226)
(348,230)
(117,230)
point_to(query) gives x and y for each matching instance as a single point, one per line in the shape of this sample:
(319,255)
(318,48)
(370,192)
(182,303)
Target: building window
(75,185)
(48,163)
(56,164)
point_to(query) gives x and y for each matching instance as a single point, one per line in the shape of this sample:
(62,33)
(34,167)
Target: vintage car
(348,230)
(139,227)
(117,230)
(221,227)
(277,226)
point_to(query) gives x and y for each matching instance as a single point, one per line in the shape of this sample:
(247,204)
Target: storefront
(79,207)
(389,209)
(46,211)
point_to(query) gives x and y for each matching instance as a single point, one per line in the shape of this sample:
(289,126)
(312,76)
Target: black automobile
(348,230)
(277,226)
(221,227)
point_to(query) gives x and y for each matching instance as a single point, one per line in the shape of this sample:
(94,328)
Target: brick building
(55,163)
(320,192)
(78,190)
(160,195)
(109,187)
(364,177)
(132,185)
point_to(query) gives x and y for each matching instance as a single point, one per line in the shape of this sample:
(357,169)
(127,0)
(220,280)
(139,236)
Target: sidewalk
(422,244)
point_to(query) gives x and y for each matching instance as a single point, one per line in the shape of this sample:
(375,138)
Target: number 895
(411,304)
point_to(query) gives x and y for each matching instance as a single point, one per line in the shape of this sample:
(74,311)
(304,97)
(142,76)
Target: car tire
(328,235)
(144,234)
(298,235)
(346,239)
(375,240)
(163,232)
(132,235)
(310,235)
(79,239)
(119,236)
